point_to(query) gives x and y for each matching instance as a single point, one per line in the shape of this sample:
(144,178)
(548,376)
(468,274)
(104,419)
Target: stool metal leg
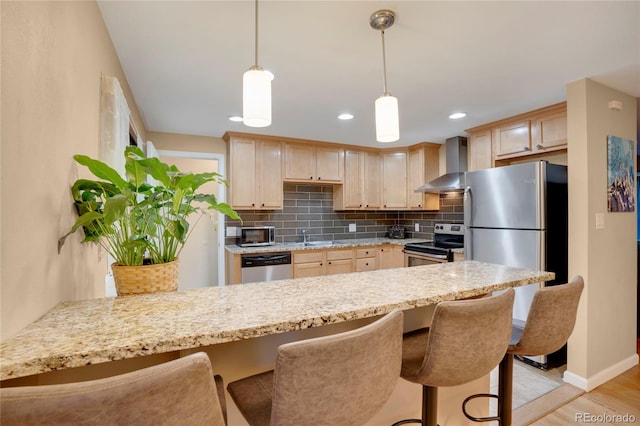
(429,408)
(505,390)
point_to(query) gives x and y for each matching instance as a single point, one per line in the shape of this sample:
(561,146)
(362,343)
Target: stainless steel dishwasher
(266,267)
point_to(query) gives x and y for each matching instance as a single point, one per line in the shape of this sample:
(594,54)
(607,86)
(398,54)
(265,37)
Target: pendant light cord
(384,67)
(256,35)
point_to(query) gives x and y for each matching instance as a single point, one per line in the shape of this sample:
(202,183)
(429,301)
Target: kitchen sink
(323,243)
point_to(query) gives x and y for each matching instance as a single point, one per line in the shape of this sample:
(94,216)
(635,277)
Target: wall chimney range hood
(453,179)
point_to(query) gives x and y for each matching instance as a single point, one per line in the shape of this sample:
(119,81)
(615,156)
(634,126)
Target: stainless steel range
(447,236)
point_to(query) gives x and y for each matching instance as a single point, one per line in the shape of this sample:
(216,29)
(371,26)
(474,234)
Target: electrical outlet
(417,227)
(352,227)
(232,231)
(599,220)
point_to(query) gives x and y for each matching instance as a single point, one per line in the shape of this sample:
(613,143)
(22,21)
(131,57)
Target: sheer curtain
(114,138)
(114,123)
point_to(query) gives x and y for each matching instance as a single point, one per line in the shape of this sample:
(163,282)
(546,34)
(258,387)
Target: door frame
(222,192)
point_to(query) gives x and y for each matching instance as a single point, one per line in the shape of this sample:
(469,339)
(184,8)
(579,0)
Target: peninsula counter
(75,334)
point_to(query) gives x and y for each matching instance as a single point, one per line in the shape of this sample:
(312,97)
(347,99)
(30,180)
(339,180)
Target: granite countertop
(360,242)
(75,334)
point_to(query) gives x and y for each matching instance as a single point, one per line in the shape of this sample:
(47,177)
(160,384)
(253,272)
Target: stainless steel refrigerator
(517,216)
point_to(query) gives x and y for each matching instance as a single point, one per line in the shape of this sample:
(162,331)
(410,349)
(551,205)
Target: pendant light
(387,121)
(256,91)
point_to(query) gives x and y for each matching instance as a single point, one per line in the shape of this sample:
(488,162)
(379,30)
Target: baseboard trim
(589,384)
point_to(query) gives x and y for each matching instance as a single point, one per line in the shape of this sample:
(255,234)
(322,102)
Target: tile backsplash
(310,207)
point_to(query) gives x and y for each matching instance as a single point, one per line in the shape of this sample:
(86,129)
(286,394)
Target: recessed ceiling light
(345,116)
(458,115)
(235,118)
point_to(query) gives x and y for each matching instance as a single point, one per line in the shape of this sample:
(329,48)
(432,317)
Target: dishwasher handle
(255,260)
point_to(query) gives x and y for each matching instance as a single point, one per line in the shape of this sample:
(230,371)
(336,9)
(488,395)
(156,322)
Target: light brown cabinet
(458,257)
(366,259)
(422,167)
(394,180)
(361,186)
(309,163)
(314,263)
(390,256)
(531,135)
(480,154)
(512,138)
(255,174)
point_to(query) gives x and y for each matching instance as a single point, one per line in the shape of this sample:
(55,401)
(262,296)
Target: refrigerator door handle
(468,254)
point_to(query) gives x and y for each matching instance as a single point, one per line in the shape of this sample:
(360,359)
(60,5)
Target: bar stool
(549,324)
(466,340)
(181,391)
(342,379)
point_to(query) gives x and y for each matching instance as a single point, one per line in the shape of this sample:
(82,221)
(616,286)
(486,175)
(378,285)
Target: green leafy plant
(135,220)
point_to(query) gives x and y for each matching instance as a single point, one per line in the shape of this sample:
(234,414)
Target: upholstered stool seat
(466,340)
(342,379)
(550,322)
(178,392)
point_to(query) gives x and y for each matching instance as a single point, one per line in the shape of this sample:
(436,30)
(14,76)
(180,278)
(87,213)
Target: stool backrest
(551,319)
(467,339)
(343,379)
(177,392)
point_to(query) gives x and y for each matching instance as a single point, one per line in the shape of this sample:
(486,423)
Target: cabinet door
(366,264)
(299,162)
(394,180)
(371,185)
(415,166)
(386,257)
(242,184)
(329,164)
(341,266)
(352,184)
(270,189)
(311,269)
(480,151)
(551,132)
(514,138)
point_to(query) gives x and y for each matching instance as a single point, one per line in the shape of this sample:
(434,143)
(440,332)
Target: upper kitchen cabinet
(394,180)
(532,134)
(480,151)
(255,173)
(361,188)
(311,163)
(422,167)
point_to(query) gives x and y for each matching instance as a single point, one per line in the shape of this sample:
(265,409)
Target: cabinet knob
(419,205)
(320,263)
(319,178)
(539,146)
(262,204)
(311,177)
(367,264)
(361,205)
(329,263)
(525,148)
(253,204)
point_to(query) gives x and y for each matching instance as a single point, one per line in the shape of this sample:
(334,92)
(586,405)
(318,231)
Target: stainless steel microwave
(257,236)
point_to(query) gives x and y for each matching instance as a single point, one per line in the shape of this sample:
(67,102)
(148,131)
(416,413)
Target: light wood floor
(617,397)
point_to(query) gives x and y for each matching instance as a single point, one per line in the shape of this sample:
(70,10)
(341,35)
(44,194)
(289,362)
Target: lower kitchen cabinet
(339,261)
(458,257)
(308,264)
(366,259)
(390,256)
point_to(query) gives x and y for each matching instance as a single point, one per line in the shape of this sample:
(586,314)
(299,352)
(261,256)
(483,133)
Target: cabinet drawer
(366,264)
(339,254)
(309,256)
(365,252)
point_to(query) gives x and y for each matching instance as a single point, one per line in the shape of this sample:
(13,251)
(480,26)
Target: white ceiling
(184,61)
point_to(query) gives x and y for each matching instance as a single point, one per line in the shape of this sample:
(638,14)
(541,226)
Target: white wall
(604,340)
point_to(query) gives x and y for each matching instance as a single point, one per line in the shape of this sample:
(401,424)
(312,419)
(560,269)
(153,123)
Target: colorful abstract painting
(620,177)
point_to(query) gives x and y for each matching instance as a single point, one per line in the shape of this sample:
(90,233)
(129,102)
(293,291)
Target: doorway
(202,257)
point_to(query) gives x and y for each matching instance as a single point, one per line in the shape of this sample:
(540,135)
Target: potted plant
(142,225)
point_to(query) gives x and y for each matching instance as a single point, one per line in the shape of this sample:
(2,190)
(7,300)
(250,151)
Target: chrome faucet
(305,239)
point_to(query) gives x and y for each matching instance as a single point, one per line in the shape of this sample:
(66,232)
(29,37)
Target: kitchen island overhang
(76,334)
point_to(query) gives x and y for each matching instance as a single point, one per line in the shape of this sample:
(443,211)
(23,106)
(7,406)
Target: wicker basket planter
(162,277)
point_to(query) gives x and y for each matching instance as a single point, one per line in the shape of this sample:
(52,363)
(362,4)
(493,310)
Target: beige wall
(604,340)
(191,143)
(53,54)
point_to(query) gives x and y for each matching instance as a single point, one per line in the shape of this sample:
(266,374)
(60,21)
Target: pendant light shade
(256,98)
(387,116)
(387,125)
(256,91)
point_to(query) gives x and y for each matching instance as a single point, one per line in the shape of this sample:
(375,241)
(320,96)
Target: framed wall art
(621,191)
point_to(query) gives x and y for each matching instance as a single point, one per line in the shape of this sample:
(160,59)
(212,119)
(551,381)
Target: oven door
(412,258)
